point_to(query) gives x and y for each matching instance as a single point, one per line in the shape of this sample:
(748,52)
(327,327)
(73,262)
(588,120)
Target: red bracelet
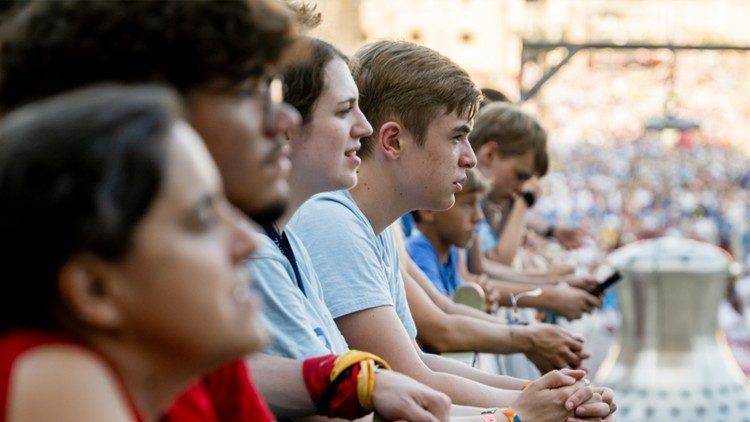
(342,386)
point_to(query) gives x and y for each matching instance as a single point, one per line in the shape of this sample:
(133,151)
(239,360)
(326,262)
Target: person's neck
(300,190)
(442,248)
(152,381)
(378,195)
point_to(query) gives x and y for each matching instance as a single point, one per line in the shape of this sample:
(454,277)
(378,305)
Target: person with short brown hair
(413,88)
(442,233)
(511,147)
(420,105)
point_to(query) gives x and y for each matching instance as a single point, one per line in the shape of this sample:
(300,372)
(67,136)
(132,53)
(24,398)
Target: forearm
(503,290)
(454,308)
(511,235)
(467,392)
(280,382)
(470,334)
(502,272)
(449,366)
(443,302)
(404,356)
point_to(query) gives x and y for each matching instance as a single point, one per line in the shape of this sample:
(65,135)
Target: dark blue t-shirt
(444,276)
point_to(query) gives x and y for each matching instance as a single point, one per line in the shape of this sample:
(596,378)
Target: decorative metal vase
(671,363)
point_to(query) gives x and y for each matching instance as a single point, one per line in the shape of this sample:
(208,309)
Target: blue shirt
(299,324)
(487,236)
(359,269)
(444,276)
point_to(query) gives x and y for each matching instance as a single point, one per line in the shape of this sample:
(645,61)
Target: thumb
(578,374)
(553,379)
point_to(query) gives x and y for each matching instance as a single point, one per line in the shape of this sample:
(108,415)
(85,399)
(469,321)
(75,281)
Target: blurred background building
(610,173)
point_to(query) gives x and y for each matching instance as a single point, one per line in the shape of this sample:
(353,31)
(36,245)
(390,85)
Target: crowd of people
(163,164)
(644,189)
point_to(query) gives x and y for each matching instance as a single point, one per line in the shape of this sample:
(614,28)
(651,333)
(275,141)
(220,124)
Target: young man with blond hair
(420,105)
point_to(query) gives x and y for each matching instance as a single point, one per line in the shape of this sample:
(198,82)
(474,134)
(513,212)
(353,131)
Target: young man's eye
(344,112)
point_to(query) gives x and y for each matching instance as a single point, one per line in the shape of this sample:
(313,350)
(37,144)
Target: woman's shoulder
(52,377)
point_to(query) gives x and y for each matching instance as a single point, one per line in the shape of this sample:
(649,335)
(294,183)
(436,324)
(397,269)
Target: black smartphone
(606,284)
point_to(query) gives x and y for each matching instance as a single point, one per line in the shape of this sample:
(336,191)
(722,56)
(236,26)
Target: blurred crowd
(643,189)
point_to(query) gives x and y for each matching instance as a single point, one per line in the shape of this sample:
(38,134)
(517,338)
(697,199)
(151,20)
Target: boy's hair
(53,46)
(514,131)
(411,84)
(474,183)
(490,96)
(541,163)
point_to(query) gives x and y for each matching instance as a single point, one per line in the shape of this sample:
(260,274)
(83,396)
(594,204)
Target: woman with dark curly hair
(119,224)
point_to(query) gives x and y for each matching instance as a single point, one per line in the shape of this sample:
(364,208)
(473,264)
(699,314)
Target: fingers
(575,373)
(592,302)
(553,379)
(583,355)
(608,396)
(571,359)
(417,413)
(574,344)
(593,410)
(438,405)
(580,396)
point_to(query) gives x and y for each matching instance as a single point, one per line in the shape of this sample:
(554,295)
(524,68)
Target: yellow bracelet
(351,358)
(365,378)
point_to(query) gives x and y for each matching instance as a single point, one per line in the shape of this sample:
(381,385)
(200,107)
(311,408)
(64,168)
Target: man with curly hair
(221,57)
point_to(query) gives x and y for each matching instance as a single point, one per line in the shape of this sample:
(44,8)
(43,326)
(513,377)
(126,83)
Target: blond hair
(475,183)
(514,131)
(411,84)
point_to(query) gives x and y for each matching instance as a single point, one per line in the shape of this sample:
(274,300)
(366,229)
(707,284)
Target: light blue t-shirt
(300,325)
(358,269)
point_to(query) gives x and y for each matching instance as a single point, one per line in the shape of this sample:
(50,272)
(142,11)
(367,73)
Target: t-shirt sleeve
(344,255)
(424,257)
(291,332)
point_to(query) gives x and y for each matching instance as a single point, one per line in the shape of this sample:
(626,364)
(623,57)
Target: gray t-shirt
(299,325)
(358,269)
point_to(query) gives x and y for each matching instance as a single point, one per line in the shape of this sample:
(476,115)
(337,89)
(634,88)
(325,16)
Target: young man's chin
(269,213)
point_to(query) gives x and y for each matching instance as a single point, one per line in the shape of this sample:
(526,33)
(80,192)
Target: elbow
(436,338)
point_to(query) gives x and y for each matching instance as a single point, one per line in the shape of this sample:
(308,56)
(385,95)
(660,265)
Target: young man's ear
(389,139)
(486,153)
(86,289)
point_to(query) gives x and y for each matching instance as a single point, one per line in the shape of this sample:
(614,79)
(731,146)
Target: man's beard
(270,213)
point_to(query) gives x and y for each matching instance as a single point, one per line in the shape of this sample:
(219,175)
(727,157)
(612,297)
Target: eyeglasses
(272,97)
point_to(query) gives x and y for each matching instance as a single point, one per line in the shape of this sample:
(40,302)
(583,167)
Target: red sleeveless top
(15,343)
(227,394)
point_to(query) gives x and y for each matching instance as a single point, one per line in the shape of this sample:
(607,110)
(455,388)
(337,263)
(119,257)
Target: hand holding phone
(607,283)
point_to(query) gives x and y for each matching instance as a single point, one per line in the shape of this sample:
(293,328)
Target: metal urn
(671,363)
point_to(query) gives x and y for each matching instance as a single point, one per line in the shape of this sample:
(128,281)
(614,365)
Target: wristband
(342,386)
(510,415)
(529,198)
